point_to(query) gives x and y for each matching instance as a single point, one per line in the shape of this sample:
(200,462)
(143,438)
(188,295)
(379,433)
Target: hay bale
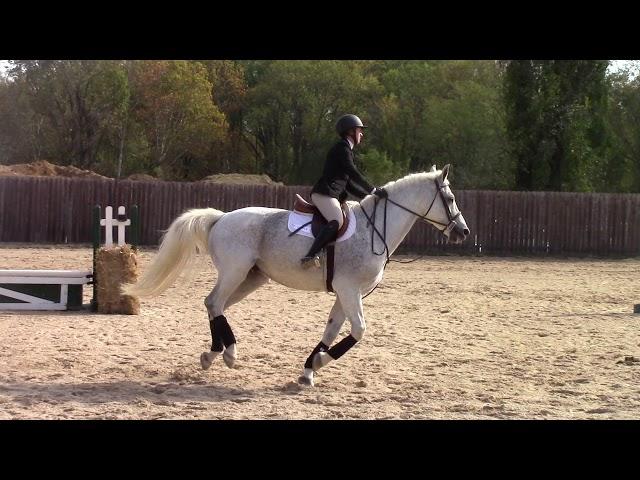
(114,267)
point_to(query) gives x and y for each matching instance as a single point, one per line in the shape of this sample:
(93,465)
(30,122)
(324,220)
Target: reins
(383,236)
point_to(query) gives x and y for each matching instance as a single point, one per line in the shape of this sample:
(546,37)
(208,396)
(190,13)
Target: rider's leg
(330,209)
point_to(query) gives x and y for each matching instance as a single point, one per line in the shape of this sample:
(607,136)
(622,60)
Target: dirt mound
(42,168)
(6,171)
(143,177)
(240,179)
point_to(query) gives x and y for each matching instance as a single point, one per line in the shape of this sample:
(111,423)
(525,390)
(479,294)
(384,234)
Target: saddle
(318,221)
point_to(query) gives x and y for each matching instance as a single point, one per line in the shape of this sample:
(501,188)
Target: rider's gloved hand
(381,193)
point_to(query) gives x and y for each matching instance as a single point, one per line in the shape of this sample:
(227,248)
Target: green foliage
(555,111)
(548,125)
(177,114)
(622,171)
(73,106)
(229,153)
(378,167)
(294,105)
(21,129)
(465,126)
(444,112)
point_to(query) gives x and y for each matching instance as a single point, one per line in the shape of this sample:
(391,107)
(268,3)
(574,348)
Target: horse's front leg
(334,324)
(351,305)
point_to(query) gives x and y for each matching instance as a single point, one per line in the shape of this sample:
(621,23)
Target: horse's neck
(412,196)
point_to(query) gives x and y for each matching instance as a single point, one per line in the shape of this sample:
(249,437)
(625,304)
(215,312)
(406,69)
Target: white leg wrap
(320,360)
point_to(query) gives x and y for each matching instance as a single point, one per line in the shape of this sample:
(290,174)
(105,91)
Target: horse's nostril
(466,231)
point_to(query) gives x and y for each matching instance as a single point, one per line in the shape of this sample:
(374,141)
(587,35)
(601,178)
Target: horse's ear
(445,171)
(433,168)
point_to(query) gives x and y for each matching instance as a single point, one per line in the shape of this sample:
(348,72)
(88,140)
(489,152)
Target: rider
(339,177)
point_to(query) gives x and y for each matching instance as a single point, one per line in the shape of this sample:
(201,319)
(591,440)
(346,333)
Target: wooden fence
(58,210)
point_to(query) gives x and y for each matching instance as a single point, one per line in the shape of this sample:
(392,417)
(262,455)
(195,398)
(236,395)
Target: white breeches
(328,206)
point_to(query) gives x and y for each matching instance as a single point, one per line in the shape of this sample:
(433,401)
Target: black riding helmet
(346,122)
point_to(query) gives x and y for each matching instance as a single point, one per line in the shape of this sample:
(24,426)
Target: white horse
(251,245)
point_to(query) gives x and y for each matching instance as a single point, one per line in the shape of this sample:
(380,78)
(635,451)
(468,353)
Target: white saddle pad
(297,219)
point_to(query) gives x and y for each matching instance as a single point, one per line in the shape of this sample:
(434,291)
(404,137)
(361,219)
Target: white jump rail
(42,289)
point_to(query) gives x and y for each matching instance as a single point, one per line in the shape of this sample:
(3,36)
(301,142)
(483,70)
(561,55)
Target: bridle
(452,218)
(445,231)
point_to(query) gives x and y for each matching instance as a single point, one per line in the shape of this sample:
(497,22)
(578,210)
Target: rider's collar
(351,144)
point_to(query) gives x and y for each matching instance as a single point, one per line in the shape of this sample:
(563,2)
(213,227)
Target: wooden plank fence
(58,210)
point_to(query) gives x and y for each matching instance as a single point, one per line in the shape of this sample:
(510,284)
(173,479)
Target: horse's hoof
(206,359)
(229,361)
(230,354)
(305,380)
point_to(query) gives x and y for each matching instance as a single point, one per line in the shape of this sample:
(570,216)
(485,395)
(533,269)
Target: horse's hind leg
(331,331)
(255,279)
(229,282)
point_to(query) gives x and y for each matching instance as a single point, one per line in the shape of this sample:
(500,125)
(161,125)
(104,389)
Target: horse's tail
(186,236)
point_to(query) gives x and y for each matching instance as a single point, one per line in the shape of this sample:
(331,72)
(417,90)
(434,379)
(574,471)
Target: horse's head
(443,212)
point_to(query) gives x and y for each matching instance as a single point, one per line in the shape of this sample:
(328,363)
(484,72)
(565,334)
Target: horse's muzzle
(458,233)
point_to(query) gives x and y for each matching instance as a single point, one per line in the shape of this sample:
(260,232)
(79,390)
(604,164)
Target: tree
(554,121)
(378,166)
(293,106)
(464,125)
(623,170)
(229,94)
(437,112)
(525,124)
(79,101)
(21,129)
(399,113)
(173,106)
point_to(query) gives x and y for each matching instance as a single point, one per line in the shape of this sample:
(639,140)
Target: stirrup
(307,262)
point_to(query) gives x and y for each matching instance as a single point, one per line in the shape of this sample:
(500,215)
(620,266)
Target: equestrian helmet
(347,122)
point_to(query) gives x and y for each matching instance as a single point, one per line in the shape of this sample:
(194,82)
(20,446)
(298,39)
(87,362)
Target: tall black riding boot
(326,235)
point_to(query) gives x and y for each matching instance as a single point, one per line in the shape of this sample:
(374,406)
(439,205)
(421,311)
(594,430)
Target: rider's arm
(354,175)
(355,190)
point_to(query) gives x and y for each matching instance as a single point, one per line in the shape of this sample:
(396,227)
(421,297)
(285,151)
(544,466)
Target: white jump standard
(62,289)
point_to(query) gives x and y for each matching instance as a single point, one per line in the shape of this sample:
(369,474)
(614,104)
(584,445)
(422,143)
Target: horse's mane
(413,178)
(406,181)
